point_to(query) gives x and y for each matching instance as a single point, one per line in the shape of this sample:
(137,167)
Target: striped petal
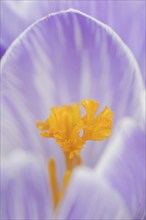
(114,13)
(62,59)
(123,166)
(90,197)
(116,188)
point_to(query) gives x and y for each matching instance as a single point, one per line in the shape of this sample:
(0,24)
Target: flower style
(62,59)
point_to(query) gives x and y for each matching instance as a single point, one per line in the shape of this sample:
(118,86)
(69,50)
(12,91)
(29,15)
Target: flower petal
(24,188)
(116,188)
(123,166)
(114,13)
(90,198)
(131,32)
(17,16)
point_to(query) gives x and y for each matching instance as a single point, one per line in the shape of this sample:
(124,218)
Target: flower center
(71,130)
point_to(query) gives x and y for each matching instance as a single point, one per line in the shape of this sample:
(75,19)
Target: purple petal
(116,188)
(24,187)
(90,198)
(123,166)
(16,16)
(127,18)
(61,59)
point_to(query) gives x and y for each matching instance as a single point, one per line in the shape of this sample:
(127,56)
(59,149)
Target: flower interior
(71,130)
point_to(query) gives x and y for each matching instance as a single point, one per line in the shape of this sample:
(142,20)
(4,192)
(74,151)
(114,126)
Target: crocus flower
(62,59)
(127,18)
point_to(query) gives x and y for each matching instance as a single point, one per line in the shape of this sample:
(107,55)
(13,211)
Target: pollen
(71,129)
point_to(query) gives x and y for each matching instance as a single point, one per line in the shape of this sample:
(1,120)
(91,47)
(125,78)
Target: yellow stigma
(66,123)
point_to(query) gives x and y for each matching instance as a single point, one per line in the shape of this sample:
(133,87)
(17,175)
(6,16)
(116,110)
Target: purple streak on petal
(123,166)
(2,51)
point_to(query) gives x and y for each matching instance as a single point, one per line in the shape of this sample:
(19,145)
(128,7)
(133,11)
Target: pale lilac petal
(123,166)
(90,197)
(17,15)
(127,18)
(116,188)
(24,188)
(21,16)
(62,59)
